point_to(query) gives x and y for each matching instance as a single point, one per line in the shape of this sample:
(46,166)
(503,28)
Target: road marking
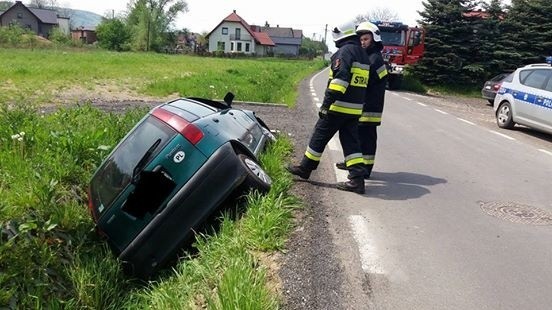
(366,247)
(311,82)
(442,112)
(502,135)
(465,121)
(406,98)
(315,99)
(422,104)
(546,152)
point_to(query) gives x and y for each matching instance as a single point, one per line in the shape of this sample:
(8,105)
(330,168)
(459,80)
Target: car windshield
(117,171)
(392,37)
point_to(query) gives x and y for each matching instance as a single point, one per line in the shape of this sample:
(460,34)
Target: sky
(308,15)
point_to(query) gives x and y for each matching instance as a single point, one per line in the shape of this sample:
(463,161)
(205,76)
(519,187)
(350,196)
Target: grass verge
(51,258)
(47,76)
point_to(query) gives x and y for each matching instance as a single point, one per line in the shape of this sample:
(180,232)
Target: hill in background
(80,18)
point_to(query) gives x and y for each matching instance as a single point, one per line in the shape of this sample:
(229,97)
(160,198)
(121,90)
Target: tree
(489,51)
(113,34)
(4,5)
(378,14)
(43,4)
(150,21)
(527,31)
(311,48)
(447,44)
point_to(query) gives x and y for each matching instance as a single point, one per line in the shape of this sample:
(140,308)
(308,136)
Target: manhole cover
(517,213)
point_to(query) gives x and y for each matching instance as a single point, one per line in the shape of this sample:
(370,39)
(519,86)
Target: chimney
(234,11)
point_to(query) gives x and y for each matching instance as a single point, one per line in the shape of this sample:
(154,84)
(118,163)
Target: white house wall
(217,36)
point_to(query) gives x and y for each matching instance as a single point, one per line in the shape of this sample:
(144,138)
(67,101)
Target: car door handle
(215,120)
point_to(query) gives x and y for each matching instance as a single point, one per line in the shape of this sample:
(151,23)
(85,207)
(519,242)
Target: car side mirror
(228,98)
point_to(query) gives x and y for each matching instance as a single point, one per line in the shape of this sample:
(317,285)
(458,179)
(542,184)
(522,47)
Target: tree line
(469,41)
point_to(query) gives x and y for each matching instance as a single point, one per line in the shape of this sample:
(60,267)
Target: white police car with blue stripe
(525,98)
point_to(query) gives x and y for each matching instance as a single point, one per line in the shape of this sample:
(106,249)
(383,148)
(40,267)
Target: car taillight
(91,206)
(496,87)
(187,129)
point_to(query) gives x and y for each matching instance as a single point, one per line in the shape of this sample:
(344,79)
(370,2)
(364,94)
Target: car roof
(539,65)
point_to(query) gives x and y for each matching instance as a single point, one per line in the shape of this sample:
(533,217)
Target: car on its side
(170,172)
(525,98)
(491,86)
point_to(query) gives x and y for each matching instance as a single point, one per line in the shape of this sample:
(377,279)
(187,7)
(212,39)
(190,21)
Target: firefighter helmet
(343,31)
(368,27)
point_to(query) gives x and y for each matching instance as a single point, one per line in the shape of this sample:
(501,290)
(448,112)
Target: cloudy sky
(308,15)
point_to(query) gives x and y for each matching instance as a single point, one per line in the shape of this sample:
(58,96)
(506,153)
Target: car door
(543,102)
(531,84)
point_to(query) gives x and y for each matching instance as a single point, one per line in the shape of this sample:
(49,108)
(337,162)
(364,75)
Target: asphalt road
(457,215)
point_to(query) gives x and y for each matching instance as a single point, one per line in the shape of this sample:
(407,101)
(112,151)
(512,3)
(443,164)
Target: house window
(221,46)
(239,47)
(238,34)
(20,15)
(247,47)
(231,46)
(224,30)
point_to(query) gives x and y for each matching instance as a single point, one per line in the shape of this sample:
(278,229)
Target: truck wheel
(394,81)
(257,178)
(504,116)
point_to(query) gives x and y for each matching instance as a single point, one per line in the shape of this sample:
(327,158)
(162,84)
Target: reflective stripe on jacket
(349,74)
(375,91)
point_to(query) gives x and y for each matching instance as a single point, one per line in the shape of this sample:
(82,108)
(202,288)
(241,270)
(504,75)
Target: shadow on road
(392,185)
(400,185)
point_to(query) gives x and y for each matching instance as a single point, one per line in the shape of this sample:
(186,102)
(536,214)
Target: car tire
(491,101)
(504,116)
(257,178)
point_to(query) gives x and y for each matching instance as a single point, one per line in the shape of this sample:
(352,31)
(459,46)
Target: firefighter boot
(355,185)
(299,171)
(341,165)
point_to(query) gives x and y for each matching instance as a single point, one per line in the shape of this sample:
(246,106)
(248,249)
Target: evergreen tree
(488,57)
(527,32)
(448,42)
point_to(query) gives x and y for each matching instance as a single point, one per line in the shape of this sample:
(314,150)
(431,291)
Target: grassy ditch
(50,257)
(52,76)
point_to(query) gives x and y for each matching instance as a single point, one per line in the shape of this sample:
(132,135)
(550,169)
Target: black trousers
(368,137)
(324,130)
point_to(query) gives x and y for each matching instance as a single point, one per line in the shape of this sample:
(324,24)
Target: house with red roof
(234,35)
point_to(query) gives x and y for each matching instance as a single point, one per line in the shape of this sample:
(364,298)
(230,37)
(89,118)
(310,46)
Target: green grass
(43,75)
(50,257)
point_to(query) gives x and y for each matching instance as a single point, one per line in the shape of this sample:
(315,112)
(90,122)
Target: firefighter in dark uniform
(370,40)
(341,110)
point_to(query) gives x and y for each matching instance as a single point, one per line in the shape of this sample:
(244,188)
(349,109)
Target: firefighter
(372,110)
(340,110)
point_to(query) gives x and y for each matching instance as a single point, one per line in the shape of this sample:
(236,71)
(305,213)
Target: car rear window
(116,172)
(193,107)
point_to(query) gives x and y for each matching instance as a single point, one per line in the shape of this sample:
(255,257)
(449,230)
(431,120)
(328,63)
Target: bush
(113,34)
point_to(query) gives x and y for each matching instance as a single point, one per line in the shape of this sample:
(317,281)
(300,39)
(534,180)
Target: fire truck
(402,45)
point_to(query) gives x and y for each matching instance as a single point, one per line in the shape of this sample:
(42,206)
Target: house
(234,35)
(287,40)
(86,35)
(39,21)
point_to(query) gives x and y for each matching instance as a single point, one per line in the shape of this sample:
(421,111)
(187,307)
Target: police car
(525,98)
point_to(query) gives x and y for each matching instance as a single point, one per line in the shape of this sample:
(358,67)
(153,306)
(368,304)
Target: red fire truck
(402,45)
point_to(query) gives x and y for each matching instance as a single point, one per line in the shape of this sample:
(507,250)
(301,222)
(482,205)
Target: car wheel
(504,116)
(257,178)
